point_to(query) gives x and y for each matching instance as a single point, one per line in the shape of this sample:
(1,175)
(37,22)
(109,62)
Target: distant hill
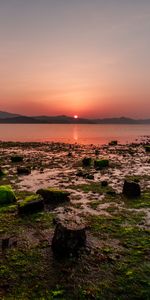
(4,115)
(8,118)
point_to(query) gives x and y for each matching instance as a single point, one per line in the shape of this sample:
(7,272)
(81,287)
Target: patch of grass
(142,202)
(92,187)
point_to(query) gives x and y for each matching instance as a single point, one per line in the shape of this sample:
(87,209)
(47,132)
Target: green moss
(142,202)
(94,187)
(101,163)
(6,195)
(28,199)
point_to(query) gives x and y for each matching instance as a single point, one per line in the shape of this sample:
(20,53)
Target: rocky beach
(74,220)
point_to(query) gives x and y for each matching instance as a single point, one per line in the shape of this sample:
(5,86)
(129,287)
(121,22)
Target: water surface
(73,133)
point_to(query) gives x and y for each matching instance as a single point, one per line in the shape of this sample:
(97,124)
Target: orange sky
(89,58)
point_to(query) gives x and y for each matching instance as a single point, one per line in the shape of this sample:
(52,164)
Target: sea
(97,134)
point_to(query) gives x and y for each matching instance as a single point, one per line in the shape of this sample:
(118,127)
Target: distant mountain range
(9,118)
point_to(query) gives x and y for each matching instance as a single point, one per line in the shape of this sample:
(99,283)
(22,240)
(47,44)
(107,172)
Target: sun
(75,117)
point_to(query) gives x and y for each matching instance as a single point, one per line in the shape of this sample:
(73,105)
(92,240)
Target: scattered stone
(104,183)
(87,161)
(16,158)
(68,239)
(31,204)
(90,176)
(100,164)
(24,170)
(147,148)
(1,172)
(53,196)
(113,143)
(69,154)
(97,152)
(131,189)
(7,242)
(7,195)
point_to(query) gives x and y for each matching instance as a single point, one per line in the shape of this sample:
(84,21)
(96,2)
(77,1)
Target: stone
(90,176)
(68,240)
(7,195)
(31,204)
(23,170)
(86,161)
(16,158)
(100,164)
(131,189)
(104,183)
(53,195)
(113,143)
(147,148)
(7,242)
(1,172)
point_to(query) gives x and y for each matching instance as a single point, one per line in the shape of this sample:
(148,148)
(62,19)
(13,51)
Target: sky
(84,57)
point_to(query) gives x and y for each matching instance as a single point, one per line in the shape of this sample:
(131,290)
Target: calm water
(84,134)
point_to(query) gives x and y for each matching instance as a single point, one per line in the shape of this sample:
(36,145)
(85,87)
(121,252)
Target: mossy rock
(101,164)
(31,204)
(53,196)
(87,161)
(6,195)
(16,158)
(147,148)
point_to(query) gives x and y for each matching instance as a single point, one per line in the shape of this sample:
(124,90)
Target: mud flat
(115,264)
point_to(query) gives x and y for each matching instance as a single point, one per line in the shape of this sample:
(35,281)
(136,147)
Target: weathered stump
(68,240)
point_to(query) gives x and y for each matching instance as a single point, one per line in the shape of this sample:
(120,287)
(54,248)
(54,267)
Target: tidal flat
(115,264)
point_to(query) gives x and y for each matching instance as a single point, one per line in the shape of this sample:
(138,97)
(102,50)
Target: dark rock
(113,143)
(1,172)
(87,161)
(53,196)
(104,183)
(16,158)
(8,242)
(68,240)
(97,152)
(101,164)
(147,148)
(24,170)
(90,176)
(131,189)
(31,204)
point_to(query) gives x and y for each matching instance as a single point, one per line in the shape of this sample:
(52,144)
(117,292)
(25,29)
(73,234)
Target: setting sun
(75,117)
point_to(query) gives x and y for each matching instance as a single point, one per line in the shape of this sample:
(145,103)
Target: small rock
(104,183)
(87,161)
(7,195)
(16,158)
(31,204)
(23,171)
(53,196)
(131,189)
(101,164)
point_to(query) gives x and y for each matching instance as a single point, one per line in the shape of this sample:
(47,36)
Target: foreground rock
(23,170)
(131,189)
(68,239)
(53,196)
(31,204)
(100,164)
(16,159)
(7,195)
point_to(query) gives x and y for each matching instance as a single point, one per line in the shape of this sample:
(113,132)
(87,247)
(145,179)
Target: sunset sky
(84,57)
